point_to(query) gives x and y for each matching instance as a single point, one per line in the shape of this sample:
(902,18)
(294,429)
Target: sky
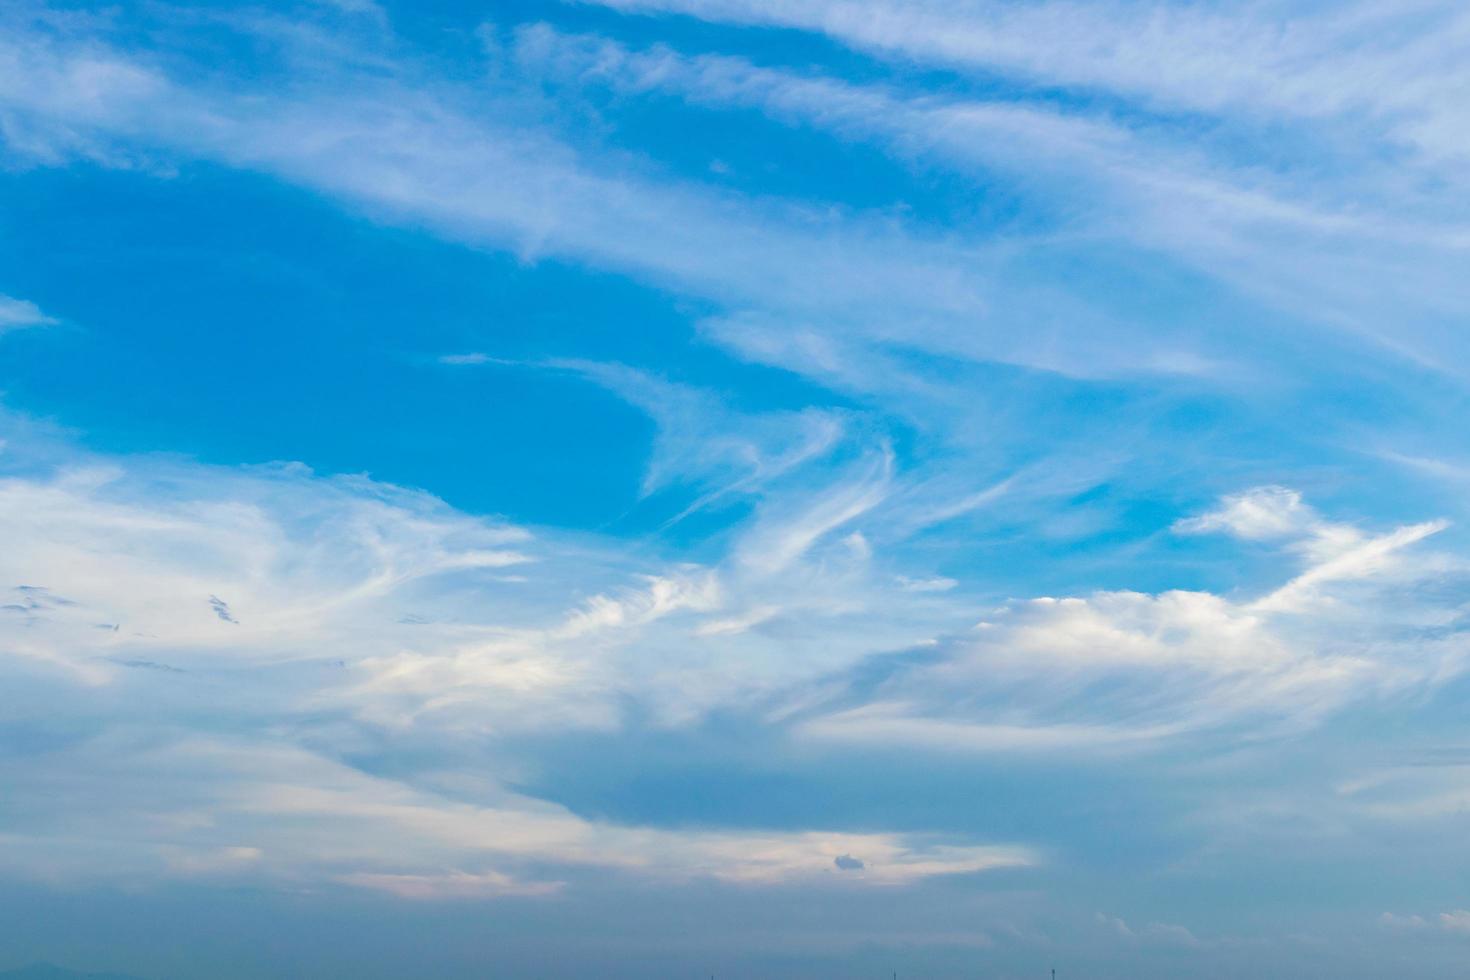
(752,488)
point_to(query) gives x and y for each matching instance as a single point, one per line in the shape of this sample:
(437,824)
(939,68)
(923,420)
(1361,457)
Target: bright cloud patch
(17,313)
(357,608)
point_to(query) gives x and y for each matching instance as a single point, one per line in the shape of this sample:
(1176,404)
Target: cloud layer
(1044,485)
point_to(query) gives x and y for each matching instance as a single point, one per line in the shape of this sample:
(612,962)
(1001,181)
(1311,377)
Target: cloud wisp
(358,611)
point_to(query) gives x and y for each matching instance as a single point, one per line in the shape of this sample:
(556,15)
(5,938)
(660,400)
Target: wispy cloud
(180,802)
(475,177)
(1455,922)
(17,313)
(1153,179)
(327,568)
(1061,402)
(474,357)
(1280,58)
(1127,670)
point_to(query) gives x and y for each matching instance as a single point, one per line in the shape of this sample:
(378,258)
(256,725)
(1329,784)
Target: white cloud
(17,313)
(836,277)
(1163,933)
(286,551)
(305,614)
(408,153)
(1283,231)
(1127,671)
(782,536)
(308,616)
(703,442)
(1392,920)
(1368,558)
(256,809)
(453,884)
(1336,552)
(1296,60)
(1260,513)
(367,614)
(738,624)
(474,357)
(1456,921)
(935,584)
(910,724)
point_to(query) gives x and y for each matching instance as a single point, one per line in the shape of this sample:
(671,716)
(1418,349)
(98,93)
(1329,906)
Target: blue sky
(661,487)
